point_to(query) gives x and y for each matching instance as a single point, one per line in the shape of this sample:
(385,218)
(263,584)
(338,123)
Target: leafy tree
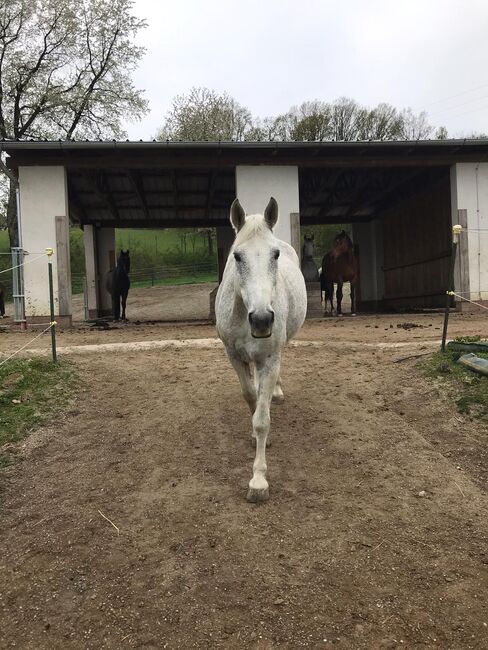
(65,71)
(441,133)
(204,114)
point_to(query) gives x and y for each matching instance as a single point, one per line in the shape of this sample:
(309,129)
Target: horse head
(124,261)
(342,244)
(308,247)
(255,255)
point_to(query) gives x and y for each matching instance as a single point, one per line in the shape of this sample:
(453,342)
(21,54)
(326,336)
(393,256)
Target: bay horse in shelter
(118,284)
(260,305)
(338,266)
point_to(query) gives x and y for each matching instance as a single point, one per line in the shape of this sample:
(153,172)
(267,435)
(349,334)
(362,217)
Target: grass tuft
(31,391)
(469,389)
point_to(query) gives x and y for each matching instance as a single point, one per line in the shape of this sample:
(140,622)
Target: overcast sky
(271,54)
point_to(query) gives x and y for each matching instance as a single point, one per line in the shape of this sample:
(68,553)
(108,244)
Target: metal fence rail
(157,274)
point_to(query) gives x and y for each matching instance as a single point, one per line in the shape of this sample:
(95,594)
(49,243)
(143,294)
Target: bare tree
(65,71)
(415,125)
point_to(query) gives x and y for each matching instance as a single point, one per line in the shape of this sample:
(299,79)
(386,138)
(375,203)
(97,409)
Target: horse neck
(121,270)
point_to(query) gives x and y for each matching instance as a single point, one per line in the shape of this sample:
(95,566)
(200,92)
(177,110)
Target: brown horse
(338,266)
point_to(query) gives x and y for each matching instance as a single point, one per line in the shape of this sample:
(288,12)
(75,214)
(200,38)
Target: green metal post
(456,231)
(51,304)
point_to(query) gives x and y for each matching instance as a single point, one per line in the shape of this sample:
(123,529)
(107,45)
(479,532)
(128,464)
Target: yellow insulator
(49,251)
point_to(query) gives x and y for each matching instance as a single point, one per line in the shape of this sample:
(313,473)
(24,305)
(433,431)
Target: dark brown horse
(338,266)
(118,284)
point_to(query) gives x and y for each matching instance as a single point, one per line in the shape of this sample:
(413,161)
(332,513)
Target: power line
(451,108)
(445,99)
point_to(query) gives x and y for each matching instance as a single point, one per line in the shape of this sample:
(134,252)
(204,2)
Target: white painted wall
(369,238)
(469,191)
(256,184)
(43,196)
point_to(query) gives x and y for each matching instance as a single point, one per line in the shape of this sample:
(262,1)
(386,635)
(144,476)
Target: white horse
(260,305)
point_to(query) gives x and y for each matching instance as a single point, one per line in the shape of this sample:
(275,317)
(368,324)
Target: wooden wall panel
(417,248)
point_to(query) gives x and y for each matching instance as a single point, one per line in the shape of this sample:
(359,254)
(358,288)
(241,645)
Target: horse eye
(237,257)
(276,254)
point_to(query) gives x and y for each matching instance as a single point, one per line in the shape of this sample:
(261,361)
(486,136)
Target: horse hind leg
(353,299)
(329,297)
(124,303)
(116,306)
(339,295)
(278,395)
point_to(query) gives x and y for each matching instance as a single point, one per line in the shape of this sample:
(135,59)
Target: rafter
(136,182)
(99,186)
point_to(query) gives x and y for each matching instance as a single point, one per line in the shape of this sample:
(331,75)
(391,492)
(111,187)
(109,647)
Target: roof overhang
(229,154)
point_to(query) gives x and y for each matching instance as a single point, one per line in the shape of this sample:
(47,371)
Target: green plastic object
(475,363)
(476,346)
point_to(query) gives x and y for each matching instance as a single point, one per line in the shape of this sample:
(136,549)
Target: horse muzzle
(261,323)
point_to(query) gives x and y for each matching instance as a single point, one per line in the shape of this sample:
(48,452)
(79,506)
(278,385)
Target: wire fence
(14,354)
(185,272)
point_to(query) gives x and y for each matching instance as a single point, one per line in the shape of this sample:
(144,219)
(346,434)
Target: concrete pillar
(368,237)
(99,260)
(225,239)
(45,224)
(106,262)
(256,184)
(469,206)
(91,271)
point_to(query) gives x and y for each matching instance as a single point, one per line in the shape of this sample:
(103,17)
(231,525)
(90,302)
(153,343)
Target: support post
(49,252)
(456,231)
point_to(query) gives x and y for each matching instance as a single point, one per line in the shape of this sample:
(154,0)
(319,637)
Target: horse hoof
(257,496)
(353,313)
(278,399)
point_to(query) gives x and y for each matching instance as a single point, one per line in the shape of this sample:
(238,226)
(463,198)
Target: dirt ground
(375,534)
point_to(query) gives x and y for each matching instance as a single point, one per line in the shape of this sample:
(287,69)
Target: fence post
(456,231)
(18,286)
(49,252)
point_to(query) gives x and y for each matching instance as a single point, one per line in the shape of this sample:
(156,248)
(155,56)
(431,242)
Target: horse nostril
(261,319)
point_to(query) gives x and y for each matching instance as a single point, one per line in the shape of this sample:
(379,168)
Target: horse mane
(254,225)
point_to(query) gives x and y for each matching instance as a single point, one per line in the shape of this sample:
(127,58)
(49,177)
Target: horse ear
(127,251)
(237,215)
(271,213)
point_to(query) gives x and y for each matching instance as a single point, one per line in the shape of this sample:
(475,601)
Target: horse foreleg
(353,298)
(246,379)
(268,374)
(339,295)
(2,305)
(329,296)
(116,306)
(124,303)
